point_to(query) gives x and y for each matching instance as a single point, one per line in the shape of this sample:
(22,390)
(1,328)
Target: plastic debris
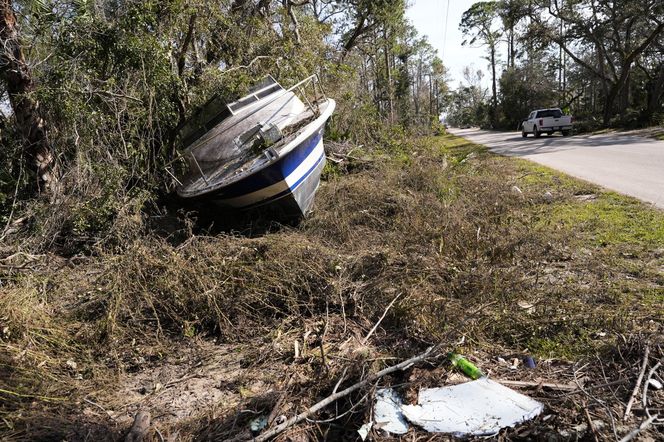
(654,383)
(258,424)
(529,362)
(387,412)
(480,407)
(467,367)
(364,430)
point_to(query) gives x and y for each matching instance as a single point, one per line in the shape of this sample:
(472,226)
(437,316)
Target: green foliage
(606,66)
(523,89)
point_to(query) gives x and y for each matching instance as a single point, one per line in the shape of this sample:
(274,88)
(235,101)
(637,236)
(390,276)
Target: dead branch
(246,66)
(334,397)
(371,332)
(590,423)
(296,25)
(550,385)
(644,395)
(632,434)
(638,383)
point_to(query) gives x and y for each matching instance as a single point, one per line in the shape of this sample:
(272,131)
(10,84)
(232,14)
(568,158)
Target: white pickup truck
(547,121)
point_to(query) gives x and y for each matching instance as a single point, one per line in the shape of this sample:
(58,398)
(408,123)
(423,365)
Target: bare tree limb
(632,434)
(638,383)
(366,338)
(246,66)
(139,428)
(288,4)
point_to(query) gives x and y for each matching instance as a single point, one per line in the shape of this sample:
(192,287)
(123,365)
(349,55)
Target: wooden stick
(592,387)
(638,383)
(632,434)
(644,395)
(551,385)
(590,423)
(328,400)
(366,338)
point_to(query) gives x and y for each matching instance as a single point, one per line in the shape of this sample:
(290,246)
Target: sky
(429,17)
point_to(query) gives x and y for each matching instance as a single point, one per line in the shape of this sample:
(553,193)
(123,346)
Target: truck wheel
(524,134)
(567,133)
(536,132)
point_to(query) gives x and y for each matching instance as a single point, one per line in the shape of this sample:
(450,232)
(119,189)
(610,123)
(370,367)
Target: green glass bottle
(465,366)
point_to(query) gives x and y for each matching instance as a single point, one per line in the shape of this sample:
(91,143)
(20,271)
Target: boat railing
(310,91)
(299,88)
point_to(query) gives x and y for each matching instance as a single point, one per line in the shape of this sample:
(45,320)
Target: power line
(447,14)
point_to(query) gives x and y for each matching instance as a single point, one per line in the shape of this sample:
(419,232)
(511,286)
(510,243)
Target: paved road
(628,164)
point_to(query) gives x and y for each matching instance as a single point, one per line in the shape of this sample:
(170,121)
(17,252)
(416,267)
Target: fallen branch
(590,423)
(638,383)
(632,434)
(551,385)
(371,332)
(332,398)
(644,395)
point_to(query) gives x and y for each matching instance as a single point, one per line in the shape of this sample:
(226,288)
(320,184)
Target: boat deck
(217,158)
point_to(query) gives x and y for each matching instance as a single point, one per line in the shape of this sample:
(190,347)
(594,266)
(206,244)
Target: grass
(502,255)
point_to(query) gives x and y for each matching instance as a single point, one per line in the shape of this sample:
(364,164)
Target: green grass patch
(611,219)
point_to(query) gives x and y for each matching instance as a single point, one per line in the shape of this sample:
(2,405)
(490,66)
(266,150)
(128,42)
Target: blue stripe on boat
(290,189)
(274,173)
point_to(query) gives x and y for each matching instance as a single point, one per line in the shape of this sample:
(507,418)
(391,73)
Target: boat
(264,150)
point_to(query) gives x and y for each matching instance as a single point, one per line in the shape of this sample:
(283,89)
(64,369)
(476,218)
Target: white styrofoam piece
(387,412)
(480,407)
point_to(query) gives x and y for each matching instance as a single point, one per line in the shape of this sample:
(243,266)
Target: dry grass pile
(486,255)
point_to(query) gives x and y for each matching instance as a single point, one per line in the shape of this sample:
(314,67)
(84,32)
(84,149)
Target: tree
(20,85)
(617,32)
(478,23)
(523,89)
(511,13)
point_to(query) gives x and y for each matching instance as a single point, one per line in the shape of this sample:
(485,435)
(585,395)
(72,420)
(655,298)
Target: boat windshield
(216,110)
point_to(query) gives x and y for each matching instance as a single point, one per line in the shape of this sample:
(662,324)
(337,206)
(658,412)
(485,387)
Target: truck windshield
(555,113)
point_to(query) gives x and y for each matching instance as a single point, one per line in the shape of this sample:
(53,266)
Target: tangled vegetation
(509,256)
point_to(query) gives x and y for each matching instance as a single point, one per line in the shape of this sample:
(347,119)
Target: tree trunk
(615,90)
(18,80)
(494,97)
(512,49)
(655,90)
(388,78)
(360,28)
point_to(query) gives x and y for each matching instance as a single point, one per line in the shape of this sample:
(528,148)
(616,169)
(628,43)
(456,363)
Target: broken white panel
(387,412)
(478,408)
(364,430)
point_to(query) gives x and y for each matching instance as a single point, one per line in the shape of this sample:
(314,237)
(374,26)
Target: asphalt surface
(628,164)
